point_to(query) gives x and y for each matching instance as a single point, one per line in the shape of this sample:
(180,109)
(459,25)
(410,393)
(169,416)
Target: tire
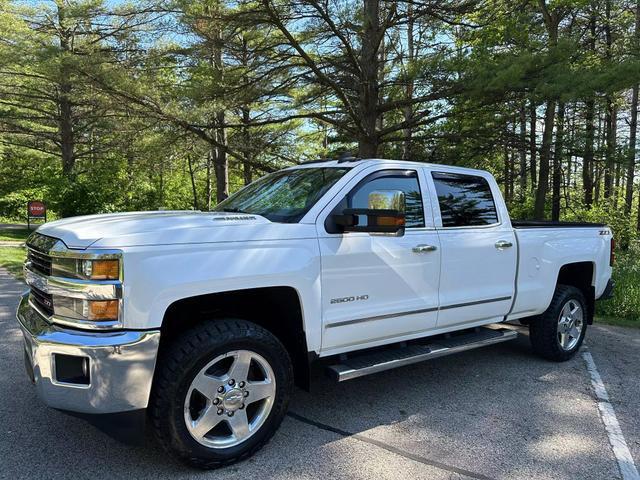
(545,332)
(196,362)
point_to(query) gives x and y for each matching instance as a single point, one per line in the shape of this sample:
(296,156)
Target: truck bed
(545,247)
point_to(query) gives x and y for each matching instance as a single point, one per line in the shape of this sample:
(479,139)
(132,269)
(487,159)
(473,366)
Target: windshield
(284,196)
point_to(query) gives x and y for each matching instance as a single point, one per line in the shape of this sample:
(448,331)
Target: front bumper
(121,364)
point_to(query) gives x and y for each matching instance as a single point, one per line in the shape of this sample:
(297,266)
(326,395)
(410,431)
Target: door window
(465,200)
(403,180)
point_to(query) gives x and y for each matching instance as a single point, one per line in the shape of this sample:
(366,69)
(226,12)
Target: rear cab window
(464,200)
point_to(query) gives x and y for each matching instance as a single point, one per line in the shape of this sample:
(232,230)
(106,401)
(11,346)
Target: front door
(376,287)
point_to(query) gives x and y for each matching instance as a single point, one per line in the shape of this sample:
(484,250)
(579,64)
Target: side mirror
(385,214)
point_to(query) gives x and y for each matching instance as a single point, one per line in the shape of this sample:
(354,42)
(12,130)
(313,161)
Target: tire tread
(543,329)
(174,362)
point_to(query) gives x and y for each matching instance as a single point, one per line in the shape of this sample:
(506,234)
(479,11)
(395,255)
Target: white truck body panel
(543,251)
(466,281)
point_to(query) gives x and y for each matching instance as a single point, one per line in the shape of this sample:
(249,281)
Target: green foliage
(12,258)
(14,234)
(626,299)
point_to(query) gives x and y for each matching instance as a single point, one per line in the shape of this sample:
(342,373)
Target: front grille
(42,300)
(38,252)
(38,247)
(40,262)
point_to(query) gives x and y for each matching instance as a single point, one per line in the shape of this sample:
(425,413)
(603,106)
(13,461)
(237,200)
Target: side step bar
(363,364)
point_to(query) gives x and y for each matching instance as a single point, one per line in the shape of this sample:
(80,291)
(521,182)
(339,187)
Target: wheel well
(276,309)
(580,275)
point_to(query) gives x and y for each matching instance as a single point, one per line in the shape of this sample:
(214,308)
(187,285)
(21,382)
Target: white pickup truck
(204,321)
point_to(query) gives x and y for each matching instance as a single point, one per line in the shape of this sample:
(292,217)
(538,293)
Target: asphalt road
(497,412)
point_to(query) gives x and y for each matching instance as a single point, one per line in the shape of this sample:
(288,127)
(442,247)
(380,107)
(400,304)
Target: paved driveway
(497,412)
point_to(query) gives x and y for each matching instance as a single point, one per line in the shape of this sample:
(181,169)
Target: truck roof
(352,162)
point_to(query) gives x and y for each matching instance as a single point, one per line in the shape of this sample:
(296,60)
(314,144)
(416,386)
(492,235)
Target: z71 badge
(349,299)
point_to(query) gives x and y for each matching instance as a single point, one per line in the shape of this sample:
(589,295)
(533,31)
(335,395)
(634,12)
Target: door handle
(501,244)
(424,248)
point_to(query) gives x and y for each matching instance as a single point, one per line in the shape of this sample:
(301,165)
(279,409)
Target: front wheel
(558,333)
(221,392)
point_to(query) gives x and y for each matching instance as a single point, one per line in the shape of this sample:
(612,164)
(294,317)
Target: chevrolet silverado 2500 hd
(206,320)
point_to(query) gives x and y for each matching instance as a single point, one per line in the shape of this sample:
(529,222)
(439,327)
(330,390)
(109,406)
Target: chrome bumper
(121,364)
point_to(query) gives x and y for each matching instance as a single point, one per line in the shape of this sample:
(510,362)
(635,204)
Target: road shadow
(497,412)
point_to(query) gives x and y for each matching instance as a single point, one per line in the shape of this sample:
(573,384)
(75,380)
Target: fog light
(72,369)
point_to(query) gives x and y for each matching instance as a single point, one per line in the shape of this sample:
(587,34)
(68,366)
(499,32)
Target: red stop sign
(36,209)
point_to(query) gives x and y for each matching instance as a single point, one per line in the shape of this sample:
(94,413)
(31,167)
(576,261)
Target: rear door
(478,245)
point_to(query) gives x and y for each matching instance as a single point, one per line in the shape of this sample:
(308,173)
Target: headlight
(88,296)
(86,269)
(86,310)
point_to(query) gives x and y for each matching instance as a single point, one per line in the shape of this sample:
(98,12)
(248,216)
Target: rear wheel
(221,392)
(559,332)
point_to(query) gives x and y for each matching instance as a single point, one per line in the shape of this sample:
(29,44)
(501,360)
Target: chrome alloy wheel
(570,325)
(229,399)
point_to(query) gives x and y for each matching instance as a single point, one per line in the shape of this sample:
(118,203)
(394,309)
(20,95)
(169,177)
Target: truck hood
(166,228)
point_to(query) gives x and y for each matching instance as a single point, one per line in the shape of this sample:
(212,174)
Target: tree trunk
(67,142)
(65,118)
(572,167)
(610,151)
(209,190)
(610,116)
(597,166)
(557,164)
(194,190)
(407,112)
(221,163)
(247,150)
(587,165)
(533,148)
(545,154)
(552,20)
(633,128)
(522,148)
(369,86)
(506,173)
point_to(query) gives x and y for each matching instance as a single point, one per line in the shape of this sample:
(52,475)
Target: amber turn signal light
(104,270)
(103,310)
(390,221)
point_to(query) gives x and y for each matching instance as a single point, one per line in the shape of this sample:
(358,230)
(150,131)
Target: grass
(617,321)
(624,308)
(14,234)
(12,259)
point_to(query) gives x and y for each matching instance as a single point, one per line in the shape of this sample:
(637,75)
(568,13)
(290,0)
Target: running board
(359,365)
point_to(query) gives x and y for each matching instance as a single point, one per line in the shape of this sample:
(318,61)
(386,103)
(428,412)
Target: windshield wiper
(232,210)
